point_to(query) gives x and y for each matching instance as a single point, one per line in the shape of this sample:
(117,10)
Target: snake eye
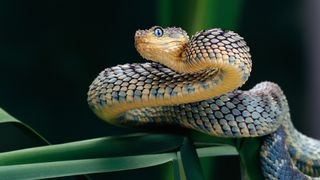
(158,31)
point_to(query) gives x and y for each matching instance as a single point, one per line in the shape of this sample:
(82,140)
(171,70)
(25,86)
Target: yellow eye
(158,31)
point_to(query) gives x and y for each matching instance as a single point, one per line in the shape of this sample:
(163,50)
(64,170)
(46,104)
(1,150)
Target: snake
(194,83)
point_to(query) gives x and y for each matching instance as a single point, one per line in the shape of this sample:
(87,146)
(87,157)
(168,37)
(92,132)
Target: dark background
(50,52)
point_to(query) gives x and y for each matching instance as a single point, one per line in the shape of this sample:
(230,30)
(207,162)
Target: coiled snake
(192,83)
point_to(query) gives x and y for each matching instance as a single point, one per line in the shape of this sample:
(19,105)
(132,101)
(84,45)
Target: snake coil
(192,83)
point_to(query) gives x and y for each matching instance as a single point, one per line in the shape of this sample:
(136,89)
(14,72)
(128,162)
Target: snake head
(163,45)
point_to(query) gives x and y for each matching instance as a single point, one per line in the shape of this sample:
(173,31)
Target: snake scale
(193,83)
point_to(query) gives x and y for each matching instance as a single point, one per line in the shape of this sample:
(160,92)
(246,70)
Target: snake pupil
(158,31)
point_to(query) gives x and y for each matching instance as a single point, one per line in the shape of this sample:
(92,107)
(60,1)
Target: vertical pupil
(158,32)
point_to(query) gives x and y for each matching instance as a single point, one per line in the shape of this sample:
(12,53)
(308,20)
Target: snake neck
(178,57)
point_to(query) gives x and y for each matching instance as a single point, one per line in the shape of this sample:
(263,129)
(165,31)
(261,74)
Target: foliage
(108,154)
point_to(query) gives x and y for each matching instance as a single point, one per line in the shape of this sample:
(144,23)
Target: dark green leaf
(6,118)
(85,166)
(249,149)
(201,139)
(134,144)
(217,151)
(190,160)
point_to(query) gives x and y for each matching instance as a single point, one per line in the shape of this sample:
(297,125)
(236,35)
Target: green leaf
(135,144)
(73,159)
(217,151)
(181,168)
(85,166)
(178,168)
(202,153)
(201,139)
(249,149)
(6,118)
(123,153)
(190,161)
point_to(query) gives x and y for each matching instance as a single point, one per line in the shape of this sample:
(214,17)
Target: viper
(194,83)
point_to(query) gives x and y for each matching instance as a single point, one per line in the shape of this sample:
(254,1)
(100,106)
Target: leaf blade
(95,148)
(190,161)
(85,166)
(7,118)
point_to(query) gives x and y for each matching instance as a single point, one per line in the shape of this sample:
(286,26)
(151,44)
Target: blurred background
(50,52)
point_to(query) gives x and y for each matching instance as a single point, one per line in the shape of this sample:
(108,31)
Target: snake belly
(192,83)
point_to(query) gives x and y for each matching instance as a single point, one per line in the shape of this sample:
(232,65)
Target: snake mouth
(164,47)
(148,43)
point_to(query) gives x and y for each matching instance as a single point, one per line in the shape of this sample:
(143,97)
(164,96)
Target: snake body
(192,83)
